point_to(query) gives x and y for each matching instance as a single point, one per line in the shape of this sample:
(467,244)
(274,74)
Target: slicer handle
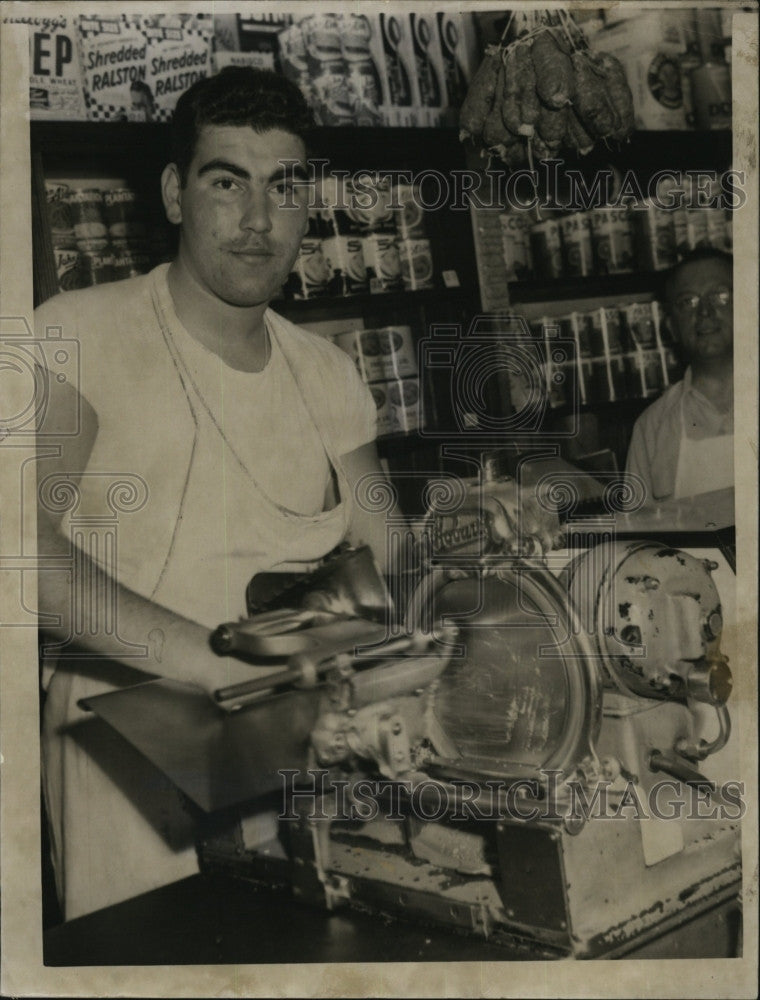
(675,765)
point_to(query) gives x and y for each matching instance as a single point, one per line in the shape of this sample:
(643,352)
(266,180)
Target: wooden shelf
(593,286)
(348,305)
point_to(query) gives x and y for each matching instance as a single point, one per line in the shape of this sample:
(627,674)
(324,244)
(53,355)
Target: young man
(223,440)
(683,444)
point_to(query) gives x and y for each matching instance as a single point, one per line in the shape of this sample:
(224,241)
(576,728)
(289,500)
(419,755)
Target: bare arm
(368,526)
(183,652)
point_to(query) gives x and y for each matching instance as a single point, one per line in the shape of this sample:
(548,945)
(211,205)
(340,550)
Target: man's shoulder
(116,301)
(661,408)
(307,344)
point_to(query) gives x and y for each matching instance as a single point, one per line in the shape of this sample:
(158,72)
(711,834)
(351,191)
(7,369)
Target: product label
(55,76)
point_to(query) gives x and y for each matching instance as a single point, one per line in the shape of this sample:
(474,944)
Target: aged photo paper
(536,897)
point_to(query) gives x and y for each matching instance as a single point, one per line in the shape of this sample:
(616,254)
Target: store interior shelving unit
(138,153)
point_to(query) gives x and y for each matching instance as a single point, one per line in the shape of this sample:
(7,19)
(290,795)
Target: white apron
(703,465)
(117,825)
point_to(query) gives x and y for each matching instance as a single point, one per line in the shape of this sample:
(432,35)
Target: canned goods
(120,207)
(351,343)
(711,88)
(606,331)
(59,215)
(576,238)
(310,272)
(397,351)
(656,238)
(380,395)
(639,321)
(382,259)
(410,216)
(68,267)
(416,262)
(371,200)
(546,249)
(97,268)
(87,214)
(580,328)
(613,240)
(96,245)
(716,228)
(515,243)
(646,373)
(129,265)
(696,228)
(404,405)
(345,261)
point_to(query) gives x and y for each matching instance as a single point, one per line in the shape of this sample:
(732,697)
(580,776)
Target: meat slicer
(520,752)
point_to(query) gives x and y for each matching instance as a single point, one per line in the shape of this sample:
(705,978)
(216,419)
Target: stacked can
(91,234)
(67,258)
(415,255)
(342,242)
(515,241)
(386,359)
(612,240)
(126,231)
(646,362)
(310,275)
(373,207)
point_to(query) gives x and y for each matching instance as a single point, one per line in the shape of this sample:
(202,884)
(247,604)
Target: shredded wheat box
(55,73)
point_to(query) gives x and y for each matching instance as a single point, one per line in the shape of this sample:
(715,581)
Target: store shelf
(593,286)
(349,305)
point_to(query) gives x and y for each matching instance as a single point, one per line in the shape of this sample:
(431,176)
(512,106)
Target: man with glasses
(683,444)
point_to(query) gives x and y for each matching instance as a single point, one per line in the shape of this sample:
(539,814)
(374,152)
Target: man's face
(707,331)
(236,238)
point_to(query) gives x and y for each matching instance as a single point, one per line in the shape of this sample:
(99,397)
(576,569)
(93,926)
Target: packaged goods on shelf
(328,70)
(654,237)
(429,68)
(546,249)
(248,39)
(416,260)
(68,266)
(577,244)
(294,64)
(122,214)
(612,237)
(381,354)
(55,70)
(515,242)
(311,273)
(362,68)
(400,105)
(345,262)
(409,213)
(711,86)
(650,45)
(458,45)
(59,214)
(381,255)
(254,60)
(398,406)
(135,67)
(489,255)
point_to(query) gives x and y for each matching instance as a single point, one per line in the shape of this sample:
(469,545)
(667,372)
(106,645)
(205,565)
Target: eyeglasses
(718,298)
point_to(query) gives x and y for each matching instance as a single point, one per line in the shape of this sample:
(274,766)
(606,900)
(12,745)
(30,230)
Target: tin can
(87,214)
(120,207)
(129,265)
(416,262)
(59,215)
(613,240)
(576,239)
(310,271)
(404,403)
(409,213)
(606,331)
(717,236)
(396,352)
(639,323)
(515,243)
(546,249)
(581,329)
(646,373)
(696,228)
(97,245)
(380,395)
(711,88)
(382,259)
(352,344)
(372,203)
(345,261)
(655,238)
(68,266)
(97,268)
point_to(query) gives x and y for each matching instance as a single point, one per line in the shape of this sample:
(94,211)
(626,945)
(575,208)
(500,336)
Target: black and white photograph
(378,533)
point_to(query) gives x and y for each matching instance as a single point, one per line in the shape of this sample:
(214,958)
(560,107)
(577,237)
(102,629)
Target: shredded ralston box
(113,66)
(178,55)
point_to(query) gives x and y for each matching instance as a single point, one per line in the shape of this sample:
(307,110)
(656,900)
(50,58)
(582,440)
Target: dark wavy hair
(237,95)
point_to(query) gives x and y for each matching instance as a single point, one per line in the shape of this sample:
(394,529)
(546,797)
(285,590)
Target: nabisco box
(650,47)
